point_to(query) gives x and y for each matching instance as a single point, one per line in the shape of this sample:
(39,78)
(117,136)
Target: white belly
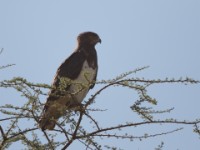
(79,88)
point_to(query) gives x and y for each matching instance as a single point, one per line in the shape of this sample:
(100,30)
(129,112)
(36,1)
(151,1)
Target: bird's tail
(53,110)
(50,115)
(47,122)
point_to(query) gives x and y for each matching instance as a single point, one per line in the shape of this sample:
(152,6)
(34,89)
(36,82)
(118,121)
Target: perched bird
(75,76)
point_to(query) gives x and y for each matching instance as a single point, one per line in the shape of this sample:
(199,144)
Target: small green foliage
(79,124)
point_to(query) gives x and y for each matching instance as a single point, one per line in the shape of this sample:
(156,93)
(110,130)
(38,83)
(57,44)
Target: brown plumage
(75,76)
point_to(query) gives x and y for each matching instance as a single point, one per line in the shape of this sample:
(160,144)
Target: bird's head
(88,38)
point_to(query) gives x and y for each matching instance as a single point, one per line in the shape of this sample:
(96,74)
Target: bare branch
(76,130)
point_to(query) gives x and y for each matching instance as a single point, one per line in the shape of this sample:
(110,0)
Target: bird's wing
(56,101)
(69,69)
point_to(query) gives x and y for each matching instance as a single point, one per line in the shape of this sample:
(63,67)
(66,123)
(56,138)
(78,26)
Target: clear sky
(164,34)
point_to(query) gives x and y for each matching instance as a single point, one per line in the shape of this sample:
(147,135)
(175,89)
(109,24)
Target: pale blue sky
(164,34)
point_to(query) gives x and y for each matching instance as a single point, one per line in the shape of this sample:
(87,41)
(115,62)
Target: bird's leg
(79,107)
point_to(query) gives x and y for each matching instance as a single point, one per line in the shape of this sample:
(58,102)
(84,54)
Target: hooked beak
(99,41)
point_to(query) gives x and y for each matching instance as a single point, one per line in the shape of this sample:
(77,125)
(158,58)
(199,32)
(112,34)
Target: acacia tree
(71,127)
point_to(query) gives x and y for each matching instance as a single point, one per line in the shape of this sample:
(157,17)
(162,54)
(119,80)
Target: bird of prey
(75,76)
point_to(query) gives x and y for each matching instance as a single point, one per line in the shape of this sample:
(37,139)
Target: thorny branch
(73,129)
(131,137)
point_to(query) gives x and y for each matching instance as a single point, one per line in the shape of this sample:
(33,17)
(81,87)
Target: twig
(22,132)
(4,137)
(92,120)
(63,130)
(75,132)
(49,141)
(137,124)
(137,137)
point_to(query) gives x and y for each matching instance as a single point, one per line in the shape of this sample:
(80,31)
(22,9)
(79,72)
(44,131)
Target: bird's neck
(90,55)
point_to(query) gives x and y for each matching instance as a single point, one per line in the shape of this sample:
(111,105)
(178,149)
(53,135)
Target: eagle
(73,79)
